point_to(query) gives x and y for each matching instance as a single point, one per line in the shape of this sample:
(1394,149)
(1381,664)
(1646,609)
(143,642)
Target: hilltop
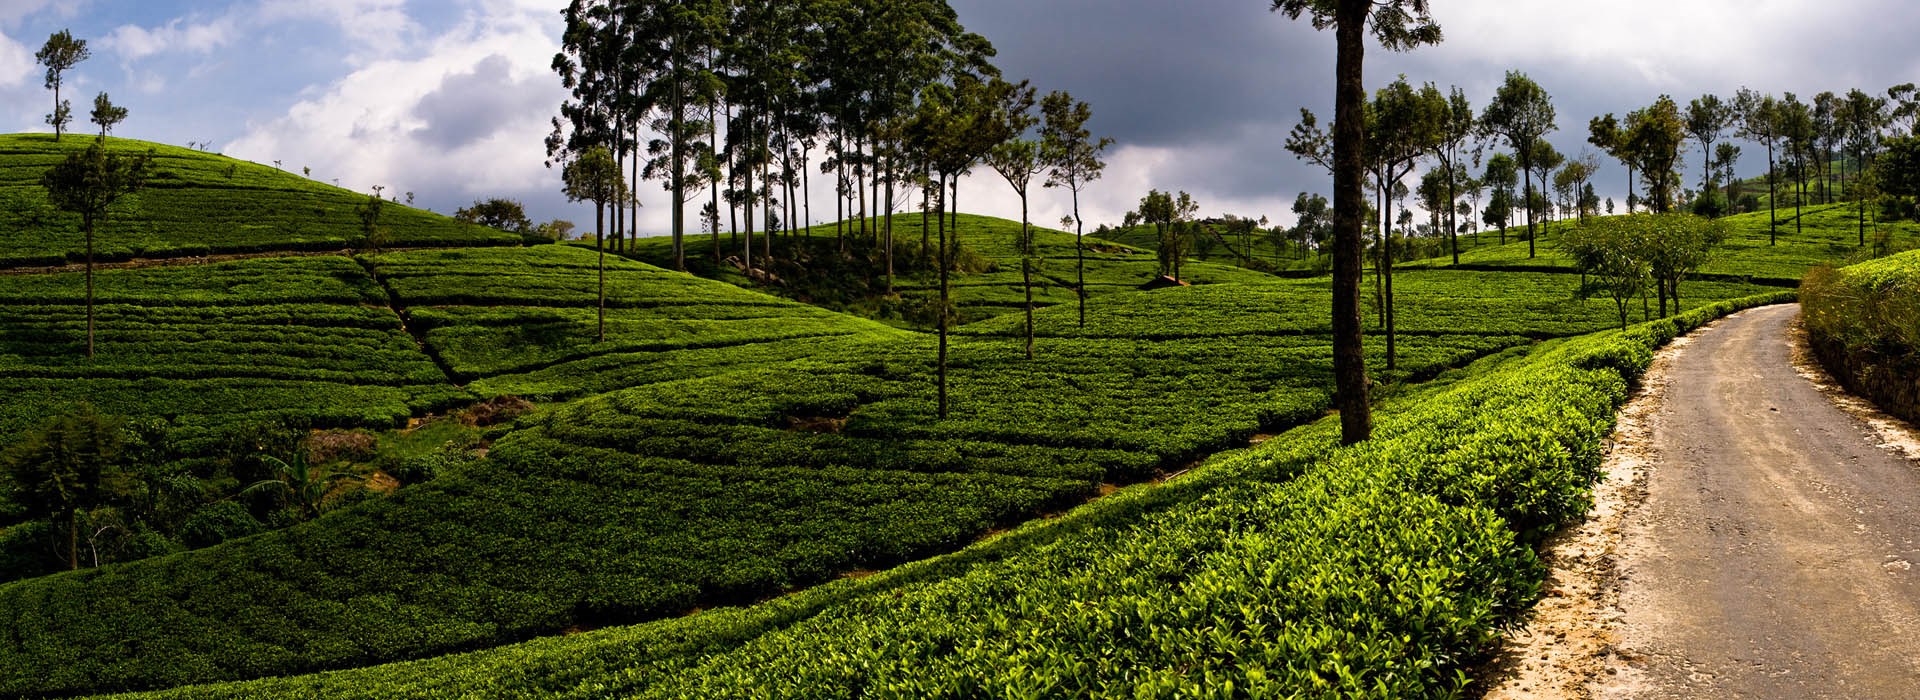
(199,203)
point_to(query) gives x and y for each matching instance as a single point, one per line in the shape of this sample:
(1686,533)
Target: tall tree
(1457,127)
(106,114)
(88,183)
(1401,127)
(1019,160)
(1827,134)
(1760,123)
(60,54)
(1605,133)
(1707,118)
(1903,104)
(1655,137)
(1501,176)
(1863,117)
(1521,112)
(1399,25)
(1074,159)
(1796,129)
(594,176)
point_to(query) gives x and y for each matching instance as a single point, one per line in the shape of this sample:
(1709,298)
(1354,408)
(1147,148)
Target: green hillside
(198,204)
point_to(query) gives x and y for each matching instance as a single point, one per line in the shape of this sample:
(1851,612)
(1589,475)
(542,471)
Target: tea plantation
(738,493)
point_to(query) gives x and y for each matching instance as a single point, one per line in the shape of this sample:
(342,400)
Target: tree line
(740,103)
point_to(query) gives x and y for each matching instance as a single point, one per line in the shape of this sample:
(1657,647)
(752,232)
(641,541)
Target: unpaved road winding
(1760,542)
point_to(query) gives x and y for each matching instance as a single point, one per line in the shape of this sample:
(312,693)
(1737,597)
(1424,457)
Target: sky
(450,99)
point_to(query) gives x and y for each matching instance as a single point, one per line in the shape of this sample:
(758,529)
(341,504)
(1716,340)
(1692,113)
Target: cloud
(133,43)
(462,118)
(475,105)
(16,63)
(376,28)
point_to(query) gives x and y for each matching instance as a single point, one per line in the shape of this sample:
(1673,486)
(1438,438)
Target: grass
(198,204)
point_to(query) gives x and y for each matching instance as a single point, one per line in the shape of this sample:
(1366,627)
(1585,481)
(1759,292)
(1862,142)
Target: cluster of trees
(745,100)
(1622,257)
(60,54)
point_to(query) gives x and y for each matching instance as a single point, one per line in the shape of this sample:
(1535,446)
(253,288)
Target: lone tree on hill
(106,114)
(60,54)
(1522,112)
(372,234)
(1073,160)
(87,183)
(595,177)
(1399,25)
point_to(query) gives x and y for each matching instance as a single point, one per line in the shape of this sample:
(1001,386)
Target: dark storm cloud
(1217,83)
(469,107)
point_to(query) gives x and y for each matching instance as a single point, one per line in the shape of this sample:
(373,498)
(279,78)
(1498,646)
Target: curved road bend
(1775,555)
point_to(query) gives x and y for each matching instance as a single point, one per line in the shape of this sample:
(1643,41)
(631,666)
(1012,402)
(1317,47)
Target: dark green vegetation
(197,204)
(1863,322)
(1294,568)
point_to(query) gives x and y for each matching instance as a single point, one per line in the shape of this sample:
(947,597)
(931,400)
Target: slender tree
(1501,176)
(1521,112)
(1707,118)
(88,183)
(1796,130)
(60,54)
(1605,133)
(1019,161)
(1074,159)
(1655,138)
(1398,25)
(1452,145)
(1760,123)
(595,177)
(1863,118)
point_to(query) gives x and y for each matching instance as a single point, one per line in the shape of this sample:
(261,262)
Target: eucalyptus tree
(1576,176)
(1707,118)
(1074,159)
(1827,134)
(1796,129)
(1522,113)
(1402,126)
(1862,119)
(1452,144)
(587,64)
(1655,137)
(1399,25)
(1500,177)
(594,176)
(60,54)
(1760,123)
(672,43)
(1546,160)
(1725,157)
(1018,159)
(1606,134)
(88,183)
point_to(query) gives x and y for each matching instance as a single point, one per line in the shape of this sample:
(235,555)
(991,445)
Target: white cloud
(377,28)
(16,63)
(133,43)
(370,127)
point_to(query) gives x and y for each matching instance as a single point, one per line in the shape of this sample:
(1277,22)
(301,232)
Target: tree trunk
(1079,252)
(1386,279)
(1349,360)
(679,170)
(1773,219)
(1453,215)
(73,539)
(943,261)
(600,244)
(889,231)
(1026,267)
(1527,198)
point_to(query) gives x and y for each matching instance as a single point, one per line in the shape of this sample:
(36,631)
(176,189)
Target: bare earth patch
(1567,643)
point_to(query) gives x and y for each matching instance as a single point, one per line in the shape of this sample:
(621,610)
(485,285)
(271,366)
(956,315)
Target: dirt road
(1762,543)
(1773,556)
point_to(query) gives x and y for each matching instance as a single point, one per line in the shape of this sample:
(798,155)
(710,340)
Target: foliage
(499,214)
